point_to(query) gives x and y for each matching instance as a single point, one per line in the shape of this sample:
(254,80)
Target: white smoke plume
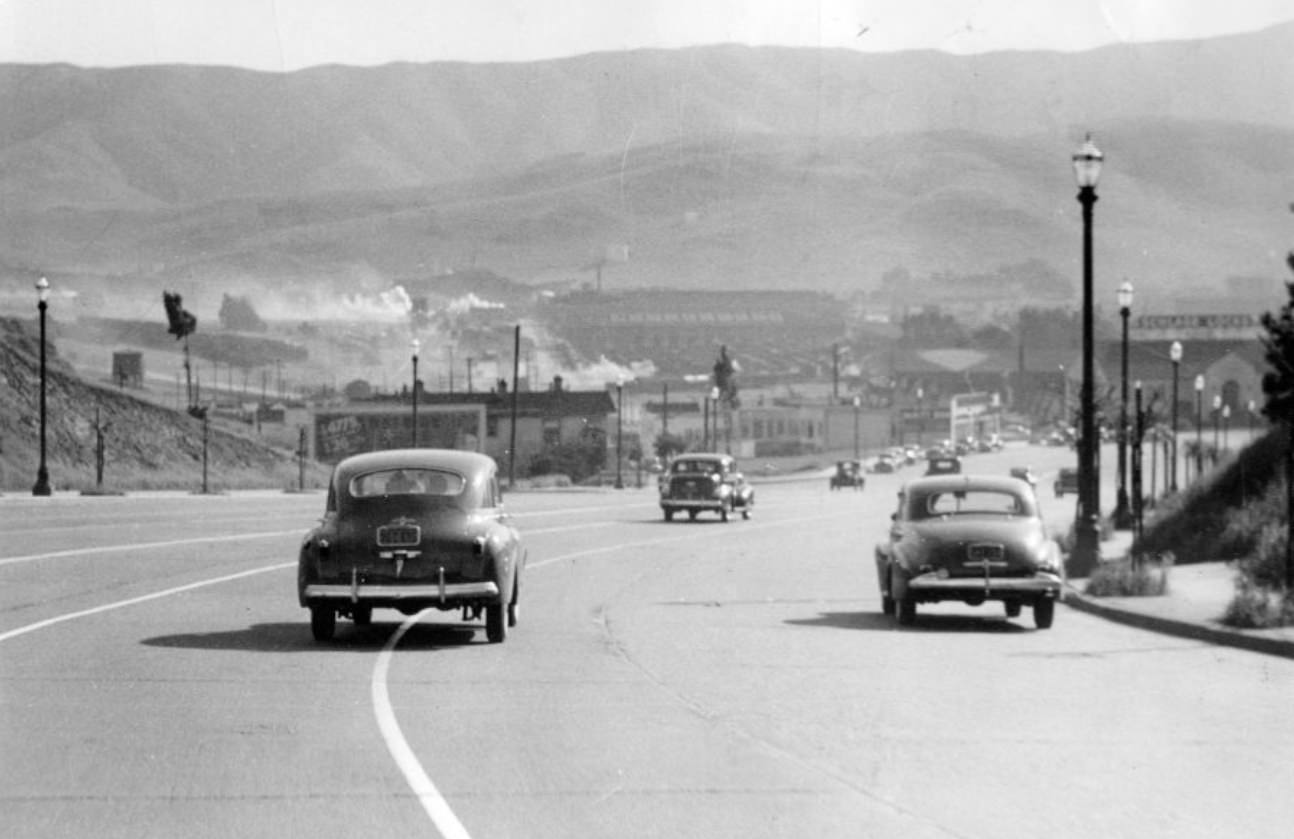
(605,372)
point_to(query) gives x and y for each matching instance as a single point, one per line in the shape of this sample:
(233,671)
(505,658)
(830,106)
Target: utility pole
(100,428)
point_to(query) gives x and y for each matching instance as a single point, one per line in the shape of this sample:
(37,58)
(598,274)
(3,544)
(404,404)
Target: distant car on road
(849,473)
(705,482)
(409,529)
(884,464)
(944,465)
(1066,481)
(969,538)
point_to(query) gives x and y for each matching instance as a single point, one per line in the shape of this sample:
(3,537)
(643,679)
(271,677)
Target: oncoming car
(697,483)
(410,529)
(969,538)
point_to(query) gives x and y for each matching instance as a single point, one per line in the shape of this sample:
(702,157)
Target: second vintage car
(969,538)
(411,529)
(705,482)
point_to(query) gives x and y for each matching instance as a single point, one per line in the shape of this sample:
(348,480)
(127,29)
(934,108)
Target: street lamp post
(857,404)
(1087,172)
(415,345)
(1174,353)
(1122,515)
(1199,426)
(1217,417)
(714,417)
(921,417)
(1226,425)
(620,402)
(42,472)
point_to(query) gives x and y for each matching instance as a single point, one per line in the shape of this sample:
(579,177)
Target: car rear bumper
(691,503)
(388,595)
(933,587)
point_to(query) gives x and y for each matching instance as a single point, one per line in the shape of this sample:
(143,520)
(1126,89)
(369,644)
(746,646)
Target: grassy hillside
(1236,513)
(146,446)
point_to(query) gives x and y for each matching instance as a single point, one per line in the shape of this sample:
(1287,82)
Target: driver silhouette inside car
(401,484)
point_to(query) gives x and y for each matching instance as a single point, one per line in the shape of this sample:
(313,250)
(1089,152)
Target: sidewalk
(1197,597)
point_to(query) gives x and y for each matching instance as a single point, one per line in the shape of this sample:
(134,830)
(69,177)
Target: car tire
(362,615)
(669,515)
(746,512)
(1012,607)
(496,623)
(724,509)
(323,622)
(1044,612)
(907,611)
(887,605)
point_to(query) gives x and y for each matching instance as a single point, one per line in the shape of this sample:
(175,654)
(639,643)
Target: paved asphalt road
(157,679)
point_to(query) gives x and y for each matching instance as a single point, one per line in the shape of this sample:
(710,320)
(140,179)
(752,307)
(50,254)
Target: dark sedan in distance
(969,538)
(410,529)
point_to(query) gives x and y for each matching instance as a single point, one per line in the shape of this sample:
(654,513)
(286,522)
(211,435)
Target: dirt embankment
(146,446)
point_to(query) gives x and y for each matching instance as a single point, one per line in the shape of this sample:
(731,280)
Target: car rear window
(705,467)
(432,482)
(968,502)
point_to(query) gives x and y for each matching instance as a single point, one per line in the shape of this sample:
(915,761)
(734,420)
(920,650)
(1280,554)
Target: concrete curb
(1181,629)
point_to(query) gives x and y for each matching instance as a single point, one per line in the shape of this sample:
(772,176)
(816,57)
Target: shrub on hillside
(1147,577)
(1257,607)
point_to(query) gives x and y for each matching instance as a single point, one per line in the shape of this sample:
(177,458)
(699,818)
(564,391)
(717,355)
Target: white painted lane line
(146,546)
(435,805)
(429,796)
(120,604)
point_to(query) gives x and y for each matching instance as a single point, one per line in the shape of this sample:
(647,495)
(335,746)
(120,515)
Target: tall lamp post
(620,402)
(714,417)
(921,417)
(1123,518)
(42,472)
(1226,425)
(415,345)
(1199,426)
(1174,353)
(1087,172)
(857,405)
(1217,417)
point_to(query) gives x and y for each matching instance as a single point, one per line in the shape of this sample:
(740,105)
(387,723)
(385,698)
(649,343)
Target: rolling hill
(722,166)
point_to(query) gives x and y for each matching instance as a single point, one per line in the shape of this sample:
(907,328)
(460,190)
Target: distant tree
(933,328)
(993,337)
(1278,344)
(669,445)
(1278,385)
(237,314)
(725,378)
(1049,327)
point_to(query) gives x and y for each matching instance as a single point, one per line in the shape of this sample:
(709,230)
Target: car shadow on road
(295,637)
(877,622)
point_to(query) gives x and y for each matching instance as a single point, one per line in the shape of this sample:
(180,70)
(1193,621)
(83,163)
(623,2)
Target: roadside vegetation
(1239,511)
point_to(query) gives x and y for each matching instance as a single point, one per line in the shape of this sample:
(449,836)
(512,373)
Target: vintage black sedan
(700,482)
(411,529)
(969,538)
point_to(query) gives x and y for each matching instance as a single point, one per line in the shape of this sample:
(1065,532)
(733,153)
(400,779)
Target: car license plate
(982,553)
(397,536)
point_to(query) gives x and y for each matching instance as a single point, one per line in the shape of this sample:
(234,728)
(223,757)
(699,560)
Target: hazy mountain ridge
(742,166)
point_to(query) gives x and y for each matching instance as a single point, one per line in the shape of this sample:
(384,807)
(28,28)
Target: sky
(288,35)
